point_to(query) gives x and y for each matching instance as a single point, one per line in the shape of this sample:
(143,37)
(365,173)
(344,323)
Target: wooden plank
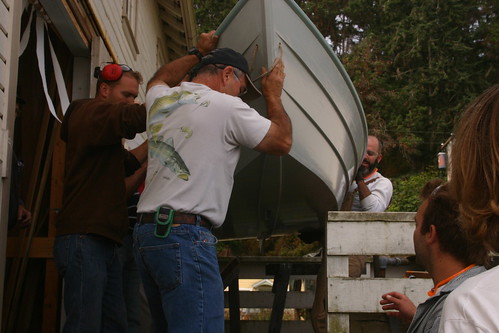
(173,23)
(3,80)
(338,323)
(68,26)
(337,266)
(4,47)
(264,299)
(359,238)
(37,182)
(83,22)
(288,326)
(301,269)
(5,19)
(270,260)
(51,301)
(343,216)
(189,20)
(3,98)
(253,267)
(279,288)
(234,306)
(7,3)
(41,247)
(57,179)
(363,295)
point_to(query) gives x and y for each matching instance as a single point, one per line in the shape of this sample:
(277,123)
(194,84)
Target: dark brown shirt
(96,165)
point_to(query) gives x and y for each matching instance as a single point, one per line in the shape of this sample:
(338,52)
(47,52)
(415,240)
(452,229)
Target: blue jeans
(181,279)
(131,284)
(93,292)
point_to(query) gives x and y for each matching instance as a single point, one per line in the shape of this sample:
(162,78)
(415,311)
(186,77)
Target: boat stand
(281,272)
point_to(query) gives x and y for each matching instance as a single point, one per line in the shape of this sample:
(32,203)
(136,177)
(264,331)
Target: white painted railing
(357,233)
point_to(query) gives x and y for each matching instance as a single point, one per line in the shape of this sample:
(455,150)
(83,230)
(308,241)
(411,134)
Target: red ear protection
(111,72)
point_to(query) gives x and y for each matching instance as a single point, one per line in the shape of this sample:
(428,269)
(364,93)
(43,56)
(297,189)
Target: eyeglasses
(110,71)
(242,90)
(371,153)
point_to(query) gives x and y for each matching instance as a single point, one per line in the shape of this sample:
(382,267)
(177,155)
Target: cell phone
(164,220)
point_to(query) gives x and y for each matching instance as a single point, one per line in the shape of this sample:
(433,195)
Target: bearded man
(371,191)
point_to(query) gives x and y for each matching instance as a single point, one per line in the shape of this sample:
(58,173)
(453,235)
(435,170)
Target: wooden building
(48,50)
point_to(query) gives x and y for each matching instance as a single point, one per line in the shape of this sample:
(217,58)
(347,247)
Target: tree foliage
(210,13)
(407,189)
(417,64)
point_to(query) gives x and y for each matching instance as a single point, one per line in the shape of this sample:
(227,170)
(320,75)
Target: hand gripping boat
(280,195)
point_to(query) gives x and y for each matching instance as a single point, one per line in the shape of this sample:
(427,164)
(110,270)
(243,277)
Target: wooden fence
(357,233)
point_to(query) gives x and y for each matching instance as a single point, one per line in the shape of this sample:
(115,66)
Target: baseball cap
(229,57)
(226,56)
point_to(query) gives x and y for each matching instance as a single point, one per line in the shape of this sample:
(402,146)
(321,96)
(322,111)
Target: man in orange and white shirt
(444,252)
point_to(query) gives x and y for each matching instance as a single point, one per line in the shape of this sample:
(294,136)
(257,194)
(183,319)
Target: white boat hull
(275,195)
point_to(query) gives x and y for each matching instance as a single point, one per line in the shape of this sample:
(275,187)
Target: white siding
(9,48)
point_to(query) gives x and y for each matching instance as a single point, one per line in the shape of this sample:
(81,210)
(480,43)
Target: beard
(370,168)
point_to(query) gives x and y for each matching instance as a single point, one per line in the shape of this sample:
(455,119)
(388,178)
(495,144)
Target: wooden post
(279,289)
(230,277)
(51,304)
(337,267)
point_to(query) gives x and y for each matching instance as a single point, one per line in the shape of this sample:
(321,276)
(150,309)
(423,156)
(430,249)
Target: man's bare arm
(279,138)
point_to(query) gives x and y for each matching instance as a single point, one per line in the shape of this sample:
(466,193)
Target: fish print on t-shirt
(168,156)
(164,150)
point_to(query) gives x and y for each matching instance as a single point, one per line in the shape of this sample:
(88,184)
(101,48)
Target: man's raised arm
(279,138)
(173,72)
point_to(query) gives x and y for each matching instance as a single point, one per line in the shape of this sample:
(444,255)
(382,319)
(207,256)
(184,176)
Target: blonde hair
(475,169)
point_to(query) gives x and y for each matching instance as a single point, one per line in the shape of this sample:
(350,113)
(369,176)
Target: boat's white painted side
(329,127)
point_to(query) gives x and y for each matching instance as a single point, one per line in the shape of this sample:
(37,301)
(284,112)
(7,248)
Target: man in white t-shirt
(195,131)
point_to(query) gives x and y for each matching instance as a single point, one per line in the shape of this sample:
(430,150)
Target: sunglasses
(110,71)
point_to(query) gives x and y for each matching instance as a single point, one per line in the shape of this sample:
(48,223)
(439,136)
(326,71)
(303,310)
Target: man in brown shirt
(93,219)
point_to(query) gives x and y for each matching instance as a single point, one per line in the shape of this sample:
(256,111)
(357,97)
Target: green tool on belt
(164,220)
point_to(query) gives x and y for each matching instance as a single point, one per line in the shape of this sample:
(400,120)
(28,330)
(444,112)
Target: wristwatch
(196,52)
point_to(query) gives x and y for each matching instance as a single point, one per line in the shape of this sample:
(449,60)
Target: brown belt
(178,218)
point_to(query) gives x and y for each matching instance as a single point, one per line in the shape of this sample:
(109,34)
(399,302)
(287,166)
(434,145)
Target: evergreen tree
(426,61)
